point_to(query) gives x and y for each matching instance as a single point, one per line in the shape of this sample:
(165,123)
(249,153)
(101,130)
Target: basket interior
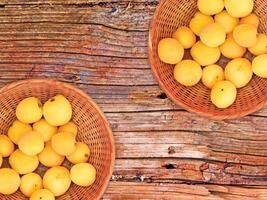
(172,14)
(92,129)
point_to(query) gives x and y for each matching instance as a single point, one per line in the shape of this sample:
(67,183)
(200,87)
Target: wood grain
(163,152)
(120,190)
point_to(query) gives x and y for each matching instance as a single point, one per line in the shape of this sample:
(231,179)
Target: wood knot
(226,165)
(204,167)
(171,150)
(162,96)
(207,176)
(140,178)
(170,166)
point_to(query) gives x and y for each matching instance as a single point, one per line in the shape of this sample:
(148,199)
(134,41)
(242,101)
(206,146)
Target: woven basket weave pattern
(172,14)
(92,125)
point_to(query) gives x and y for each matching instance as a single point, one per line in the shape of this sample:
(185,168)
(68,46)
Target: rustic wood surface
(163,152)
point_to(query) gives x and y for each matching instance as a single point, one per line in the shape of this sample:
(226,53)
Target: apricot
(63,143)
(211,75)
(29,110)
(6,146)
(31,143)
(239,72)
(245,35)
(205,55)
(57,110)
(226,21)
(17,129)
(259,66)
(185,36)
(230,49)
(70,127)
(239,8)
(45,129)
(83,174)
(43,194)
(57,180)
(213,35)
(210,7)
(81,154)
(49,158)
(170,51)
(223,94)
(22,163)
(9,181)
(199,21)
(188,72)
(30,183)
(252,19)
(260,47)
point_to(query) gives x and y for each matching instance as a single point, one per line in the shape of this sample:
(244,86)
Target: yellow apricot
(230,49)
(259,65)
(9,181)
(199,21)
(22,163)
(29,110)
(49,158)
(211,75)
(227,21)
(205,55)
(239,72)
(17,129)
(210,7)
(63,143)
(252,19)
(239,8)
(81,154)
(31,143)
(6,146)
(185,36)
(213,35)
(30,183)
(245,35)
(170,51)
(260,47)
(188,72)
(223,94)
(45,129)
(70,127)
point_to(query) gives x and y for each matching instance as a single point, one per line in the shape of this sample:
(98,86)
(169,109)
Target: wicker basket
(92,124)
(172,14)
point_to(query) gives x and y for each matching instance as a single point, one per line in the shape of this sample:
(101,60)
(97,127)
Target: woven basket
(172,14)
(92,125)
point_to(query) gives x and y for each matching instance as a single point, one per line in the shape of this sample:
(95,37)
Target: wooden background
(163,152)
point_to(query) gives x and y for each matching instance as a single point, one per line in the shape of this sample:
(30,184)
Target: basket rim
(171,96)
(88,98)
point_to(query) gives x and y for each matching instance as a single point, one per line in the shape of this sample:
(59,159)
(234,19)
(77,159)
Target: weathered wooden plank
(74,2)
(253,192)
(191,145)
(87,75)
(100,47)
(180,120)
(110,98)
(189,171)
(123,15)
(120,190)
(99,42)
(205,143)
(116,98)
